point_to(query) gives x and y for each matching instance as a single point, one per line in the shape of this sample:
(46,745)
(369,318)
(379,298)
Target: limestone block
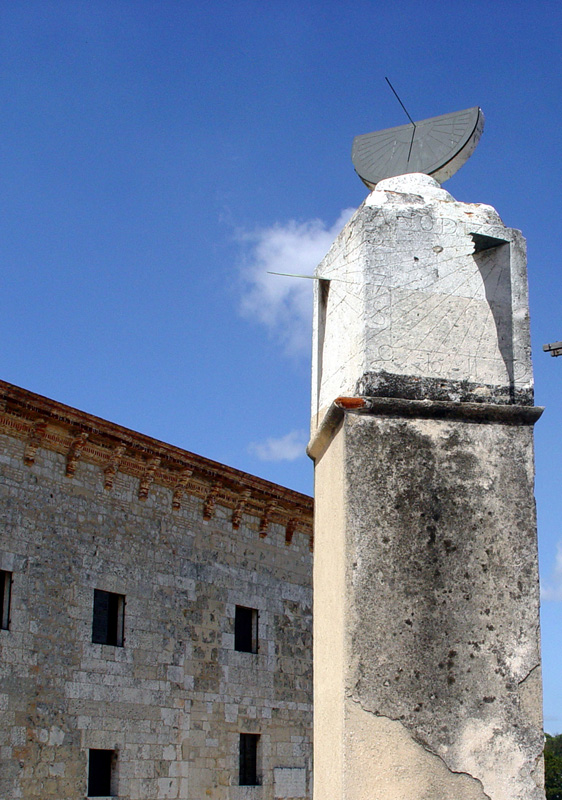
(289,782)
(408,300)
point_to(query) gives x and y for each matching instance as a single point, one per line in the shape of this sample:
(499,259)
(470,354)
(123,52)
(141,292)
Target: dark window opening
(246,629)
(109,615)
(5,591)
(248,775)
(101,773)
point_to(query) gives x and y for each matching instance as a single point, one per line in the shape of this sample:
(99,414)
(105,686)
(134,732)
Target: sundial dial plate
(438,147)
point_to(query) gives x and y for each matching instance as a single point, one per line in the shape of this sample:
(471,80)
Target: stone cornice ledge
(487,413)
(44,423)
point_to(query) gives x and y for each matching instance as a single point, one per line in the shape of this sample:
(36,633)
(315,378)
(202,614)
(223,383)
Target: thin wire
(310,277)
(400,101)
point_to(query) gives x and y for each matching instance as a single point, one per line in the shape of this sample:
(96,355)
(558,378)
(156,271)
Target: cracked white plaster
(384,755)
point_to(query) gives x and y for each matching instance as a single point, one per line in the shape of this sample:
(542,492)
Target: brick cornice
(45,423)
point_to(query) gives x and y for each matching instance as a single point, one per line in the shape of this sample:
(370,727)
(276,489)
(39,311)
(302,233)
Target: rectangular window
(5,592)
(246,629)
(101,773)
(248,775)
(109,617)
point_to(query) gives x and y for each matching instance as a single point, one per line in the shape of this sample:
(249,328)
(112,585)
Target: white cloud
(284,305)
(286,448)
(553,589)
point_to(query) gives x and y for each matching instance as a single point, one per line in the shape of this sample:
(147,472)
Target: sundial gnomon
(438,146)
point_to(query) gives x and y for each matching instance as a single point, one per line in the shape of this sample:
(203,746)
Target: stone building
(155,611)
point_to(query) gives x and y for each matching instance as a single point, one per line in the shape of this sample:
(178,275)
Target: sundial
(438,146)
(426,289)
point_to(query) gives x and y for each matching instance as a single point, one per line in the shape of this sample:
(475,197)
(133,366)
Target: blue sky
(157,157)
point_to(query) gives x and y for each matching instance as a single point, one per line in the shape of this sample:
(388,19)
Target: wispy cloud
(552,590)
(284,305)
(286,448)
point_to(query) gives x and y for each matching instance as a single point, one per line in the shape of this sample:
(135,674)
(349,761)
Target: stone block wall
(174,699)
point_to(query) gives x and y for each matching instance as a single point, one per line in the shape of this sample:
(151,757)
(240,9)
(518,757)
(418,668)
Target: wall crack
(421,743)
(528,675)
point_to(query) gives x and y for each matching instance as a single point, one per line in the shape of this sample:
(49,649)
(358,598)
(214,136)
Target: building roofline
(43,422)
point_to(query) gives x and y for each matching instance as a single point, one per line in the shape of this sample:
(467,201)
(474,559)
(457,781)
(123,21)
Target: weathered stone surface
(412,310)
(174,700)
(443,534)
(290,783)
(426,646)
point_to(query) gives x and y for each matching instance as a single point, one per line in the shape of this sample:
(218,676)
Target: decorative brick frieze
(210,502)
(78,436)
(148,477)
(265,520)
(289,530)
(239,510)
(180,488)
(36,436)
(111,469)
(75,452)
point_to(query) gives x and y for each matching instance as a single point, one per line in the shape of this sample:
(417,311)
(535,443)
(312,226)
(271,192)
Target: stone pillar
(426,600)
